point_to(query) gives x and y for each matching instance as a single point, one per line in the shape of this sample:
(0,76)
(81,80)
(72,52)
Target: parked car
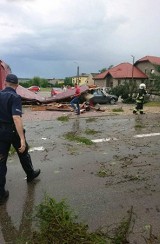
(34,88)
(98,96)
(55,91)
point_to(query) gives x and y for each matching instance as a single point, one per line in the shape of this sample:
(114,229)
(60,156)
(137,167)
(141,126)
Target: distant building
(90,79)
(55,81)
(23,80)
(150,65)
(84,79)
(81,79)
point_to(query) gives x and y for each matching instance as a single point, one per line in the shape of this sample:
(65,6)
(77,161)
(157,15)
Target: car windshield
(98,93)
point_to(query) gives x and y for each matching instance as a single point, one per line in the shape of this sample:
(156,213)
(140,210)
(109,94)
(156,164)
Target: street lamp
(133,85)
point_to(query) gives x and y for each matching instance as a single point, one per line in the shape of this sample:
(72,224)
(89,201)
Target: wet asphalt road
(70,171)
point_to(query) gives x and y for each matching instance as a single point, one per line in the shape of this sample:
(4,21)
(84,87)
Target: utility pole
(78,75)
(133,84)
(77,78)
(132,66)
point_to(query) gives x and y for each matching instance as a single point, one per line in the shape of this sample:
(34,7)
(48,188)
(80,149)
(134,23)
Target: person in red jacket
(75,101)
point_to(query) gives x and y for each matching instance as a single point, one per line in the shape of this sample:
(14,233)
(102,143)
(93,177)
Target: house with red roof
(148,65)
(117,75)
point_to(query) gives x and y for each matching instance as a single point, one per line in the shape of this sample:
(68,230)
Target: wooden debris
(52,107)
(65,107)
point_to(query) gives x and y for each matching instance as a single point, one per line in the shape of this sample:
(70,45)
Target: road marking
(147,135)
(115,139)
(36,149)
(104,140)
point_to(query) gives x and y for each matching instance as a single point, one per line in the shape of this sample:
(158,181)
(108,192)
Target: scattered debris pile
(58,102)
(52,107)
(64,107)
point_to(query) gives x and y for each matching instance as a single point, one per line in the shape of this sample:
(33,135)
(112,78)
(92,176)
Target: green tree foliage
(68,81)
(121,90)
(102,70)
(24,84)
(126,91)
(111,66)
(43,83)
(105,69)
(35,81)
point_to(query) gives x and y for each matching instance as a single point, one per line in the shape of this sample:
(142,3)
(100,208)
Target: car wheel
(112,101)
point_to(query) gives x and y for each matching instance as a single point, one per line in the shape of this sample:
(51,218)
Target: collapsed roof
(31,97)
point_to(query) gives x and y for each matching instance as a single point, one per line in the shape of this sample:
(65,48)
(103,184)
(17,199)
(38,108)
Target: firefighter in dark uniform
(12,133)
(140,99)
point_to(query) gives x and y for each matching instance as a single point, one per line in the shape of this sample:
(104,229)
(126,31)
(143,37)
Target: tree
(102,70)
(68,81)
(44,83)
(111,66)
(126,92)
(105,69)
(35,81)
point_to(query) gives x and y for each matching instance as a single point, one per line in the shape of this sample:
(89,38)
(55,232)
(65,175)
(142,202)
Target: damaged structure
(58,102)
(29,97)
(54,103)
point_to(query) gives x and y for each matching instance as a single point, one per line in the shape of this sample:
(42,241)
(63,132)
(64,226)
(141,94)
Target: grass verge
(152,104)
(72,136)
(117,110)
(58,224)
(63,118)
(91,131)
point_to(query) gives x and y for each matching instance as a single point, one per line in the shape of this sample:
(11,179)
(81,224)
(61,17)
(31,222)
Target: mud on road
(101,182)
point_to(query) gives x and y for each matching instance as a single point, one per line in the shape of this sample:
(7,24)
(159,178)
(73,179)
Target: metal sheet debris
(29,97)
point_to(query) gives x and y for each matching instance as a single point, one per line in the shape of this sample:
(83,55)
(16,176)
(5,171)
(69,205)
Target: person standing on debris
(12,133)
(140,99)
(64,88)
(75,101)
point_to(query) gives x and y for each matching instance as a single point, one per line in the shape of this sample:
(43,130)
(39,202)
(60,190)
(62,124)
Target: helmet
(142,86)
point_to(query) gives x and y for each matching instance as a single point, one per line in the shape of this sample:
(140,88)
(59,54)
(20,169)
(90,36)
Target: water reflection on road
(10,233)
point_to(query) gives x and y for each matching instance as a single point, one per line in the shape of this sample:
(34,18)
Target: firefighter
(12,133)
(140,99)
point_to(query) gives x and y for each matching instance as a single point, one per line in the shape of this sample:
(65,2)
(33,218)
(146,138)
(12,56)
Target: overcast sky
(50,38)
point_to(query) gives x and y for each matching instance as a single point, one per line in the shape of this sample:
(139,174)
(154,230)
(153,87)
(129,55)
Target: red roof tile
(121,71)
(151,59)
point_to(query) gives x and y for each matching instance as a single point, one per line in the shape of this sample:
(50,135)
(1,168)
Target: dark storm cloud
(46,37)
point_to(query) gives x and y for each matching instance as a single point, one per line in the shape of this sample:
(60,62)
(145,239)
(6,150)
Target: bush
(121,90)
